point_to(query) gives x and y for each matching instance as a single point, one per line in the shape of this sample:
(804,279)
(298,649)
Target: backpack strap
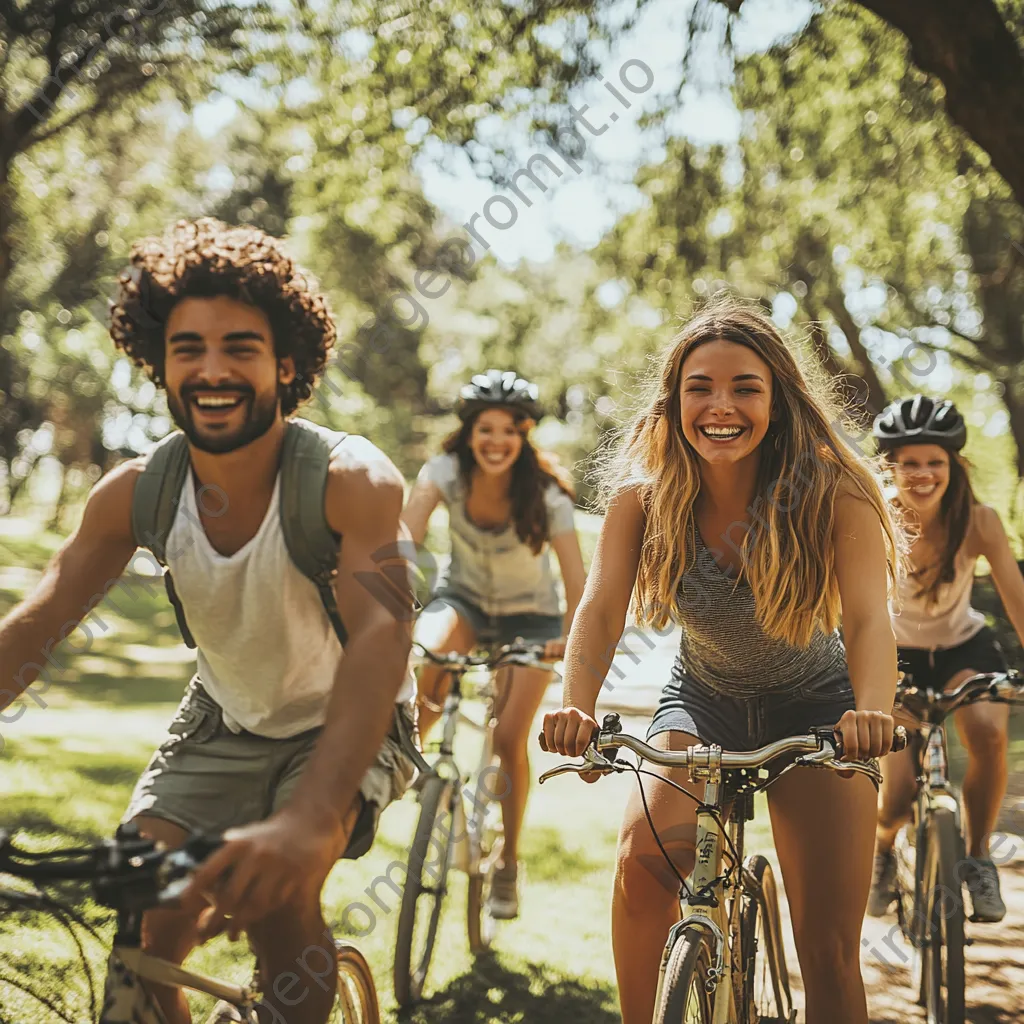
(312,544)
(154,506)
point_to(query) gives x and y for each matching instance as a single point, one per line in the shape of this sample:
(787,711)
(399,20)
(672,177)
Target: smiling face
(495,441)
(221,373)
(725,399)
(922,476)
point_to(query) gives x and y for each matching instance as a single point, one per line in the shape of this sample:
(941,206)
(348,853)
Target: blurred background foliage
(859,204)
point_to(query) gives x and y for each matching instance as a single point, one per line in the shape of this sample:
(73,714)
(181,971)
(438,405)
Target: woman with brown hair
(509,505)
(735,510)
(942,639)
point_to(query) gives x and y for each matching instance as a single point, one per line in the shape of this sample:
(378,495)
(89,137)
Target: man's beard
(261,411)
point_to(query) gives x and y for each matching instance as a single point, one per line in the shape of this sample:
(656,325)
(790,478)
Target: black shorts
(935,669)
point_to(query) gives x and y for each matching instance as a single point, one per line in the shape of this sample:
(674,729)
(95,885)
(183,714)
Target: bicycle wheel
(426,884)
(766,996)
(942,952)
(357,994)
(685,998)
(485,840)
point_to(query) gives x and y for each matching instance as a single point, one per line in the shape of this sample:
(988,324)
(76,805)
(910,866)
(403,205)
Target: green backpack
(312,544)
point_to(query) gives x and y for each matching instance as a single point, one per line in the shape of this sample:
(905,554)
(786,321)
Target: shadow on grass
(496,992)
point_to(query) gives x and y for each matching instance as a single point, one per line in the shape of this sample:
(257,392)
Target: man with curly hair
(282,741)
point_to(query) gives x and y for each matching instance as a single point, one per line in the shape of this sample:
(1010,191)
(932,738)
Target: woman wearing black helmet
(508,504)
(942,639)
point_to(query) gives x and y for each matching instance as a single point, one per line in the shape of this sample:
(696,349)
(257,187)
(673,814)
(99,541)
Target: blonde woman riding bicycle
(942,639)
(509,506)
(736,511)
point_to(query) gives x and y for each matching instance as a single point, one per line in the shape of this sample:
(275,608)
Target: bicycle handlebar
(127,873)
(528,655)
(821,747)
(1000,687)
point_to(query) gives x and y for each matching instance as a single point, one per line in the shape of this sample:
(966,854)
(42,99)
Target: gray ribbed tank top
(724,647)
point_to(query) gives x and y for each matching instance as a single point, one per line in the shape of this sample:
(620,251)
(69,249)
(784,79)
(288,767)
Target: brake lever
(592,762)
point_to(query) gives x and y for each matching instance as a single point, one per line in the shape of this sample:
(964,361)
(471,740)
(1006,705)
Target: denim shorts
(733,723)
(531,627)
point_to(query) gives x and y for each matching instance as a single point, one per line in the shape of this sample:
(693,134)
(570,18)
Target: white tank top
(948,622)
(267,653)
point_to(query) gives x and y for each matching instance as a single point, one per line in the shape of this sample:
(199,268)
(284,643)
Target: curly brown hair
(207,258)
(533,471)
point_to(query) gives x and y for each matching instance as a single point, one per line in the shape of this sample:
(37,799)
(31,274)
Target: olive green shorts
(206,778)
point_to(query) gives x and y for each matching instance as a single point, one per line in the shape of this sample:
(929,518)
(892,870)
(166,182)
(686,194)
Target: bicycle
(130,875)
(929,850)
(473,840)
(723,961)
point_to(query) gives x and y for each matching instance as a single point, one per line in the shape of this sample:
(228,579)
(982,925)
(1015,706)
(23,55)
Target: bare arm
(423,499)
(598,625)
(994,545)
(870,643)
(570,561)
(87,565)
(364,504)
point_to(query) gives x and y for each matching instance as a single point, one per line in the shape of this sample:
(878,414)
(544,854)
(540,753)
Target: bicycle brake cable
(675,785)
(650,821)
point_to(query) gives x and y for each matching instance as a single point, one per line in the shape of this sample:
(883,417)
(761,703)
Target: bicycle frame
(934,793)
(465,843)
(161,972)
(719,917)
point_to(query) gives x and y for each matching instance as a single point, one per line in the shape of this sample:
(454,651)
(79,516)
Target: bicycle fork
(706,910)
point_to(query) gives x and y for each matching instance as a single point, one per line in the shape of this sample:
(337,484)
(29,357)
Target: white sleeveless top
(949,622)
(267,652)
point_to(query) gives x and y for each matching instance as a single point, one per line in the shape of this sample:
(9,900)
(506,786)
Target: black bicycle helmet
(920,420)
(498,389)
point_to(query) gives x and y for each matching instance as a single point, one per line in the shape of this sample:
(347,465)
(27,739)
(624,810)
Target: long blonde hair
(788,558)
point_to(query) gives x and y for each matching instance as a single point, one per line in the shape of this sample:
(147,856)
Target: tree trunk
(870,393)
(6,242)
(1015,407)
(968,47)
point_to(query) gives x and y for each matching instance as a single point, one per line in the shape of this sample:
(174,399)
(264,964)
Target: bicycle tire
(942,967)
(685,998)
(410,971)
(357,993)
(765,1000)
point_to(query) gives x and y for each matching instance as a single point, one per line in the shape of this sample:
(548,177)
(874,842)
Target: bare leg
(440,632)
(824,829)
(645,900)
(983,731)
(298,967)
(523,691)
(297,963)
(899,787)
